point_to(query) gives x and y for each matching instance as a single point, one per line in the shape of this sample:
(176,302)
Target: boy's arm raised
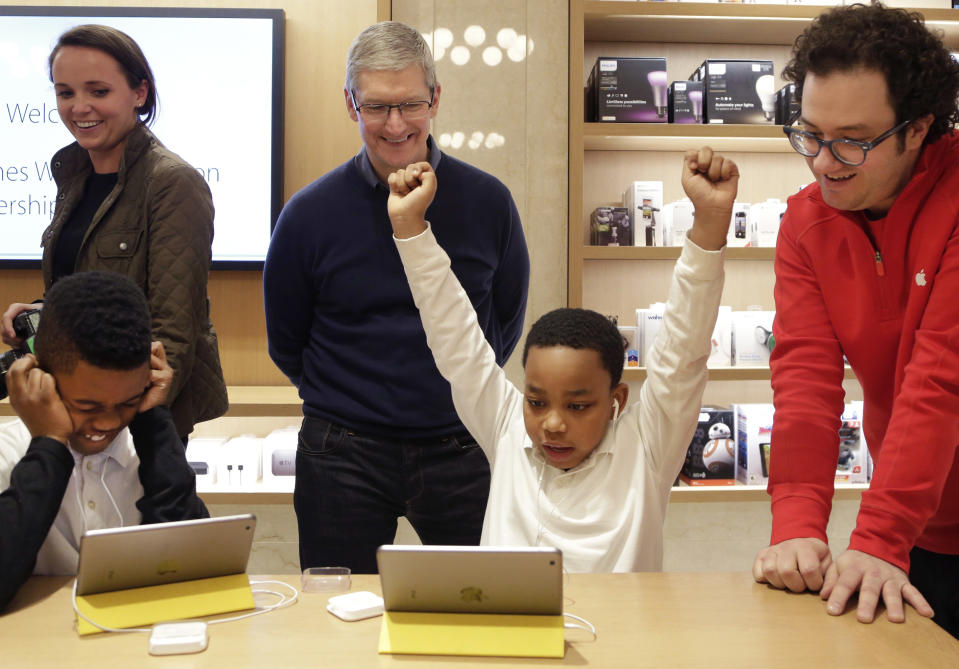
(670,398)
(485,400)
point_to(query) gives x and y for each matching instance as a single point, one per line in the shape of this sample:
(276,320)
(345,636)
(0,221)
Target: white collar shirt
(607,513)
(103,491)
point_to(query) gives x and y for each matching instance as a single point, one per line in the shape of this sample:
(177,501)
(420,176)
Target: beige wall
(527,103)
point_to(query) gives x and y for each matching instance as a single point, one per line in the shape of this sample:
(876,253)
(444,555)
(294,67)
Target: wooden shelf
(723,374)
(680,494)
(667,253)
(749,493)
(244,401)
(719,23)
(264,401)
(679,137)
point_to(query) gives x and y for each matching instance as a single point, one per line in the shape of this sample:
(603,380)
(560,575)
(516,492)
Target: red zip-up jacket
(892,307)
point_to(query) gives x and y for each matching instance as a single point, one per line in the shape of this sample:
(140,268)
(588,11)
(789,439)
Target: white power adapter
(178,638)
(355,605)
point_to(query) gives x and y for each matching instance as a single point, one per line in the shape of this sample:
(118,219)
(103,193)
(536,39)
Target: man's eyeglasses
(847,151)
(413,110)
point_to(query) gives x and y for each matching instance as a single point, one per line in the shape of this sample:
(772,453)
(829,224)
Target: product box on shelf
(738,235)
(239,462)
(203,454)
(711,456)
(752,338)
(279,458)
(754,428)
(648,324)
(630,347)
(610,226)
(787,105)
(852,465)
(764,219)
(644,202)
(720,344)
(627,90)
(737,91)
(677,219)
(686,102)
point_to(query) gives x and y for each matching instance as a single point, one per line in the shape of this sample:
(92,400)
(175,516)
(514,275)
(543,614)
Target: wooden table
(643,620)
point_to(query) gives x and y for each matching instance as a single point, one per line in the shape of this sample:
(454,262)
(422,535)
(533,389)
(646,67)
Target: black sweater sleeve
(28,508)
(169,484)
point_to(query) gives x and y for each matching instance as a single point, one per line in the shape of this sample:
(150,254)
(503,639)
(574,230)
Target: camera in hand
(25,326)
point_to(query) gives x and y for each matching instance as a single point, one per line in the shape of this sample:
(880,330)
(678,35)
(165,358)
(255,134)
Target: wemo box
(737,91)
(627,90)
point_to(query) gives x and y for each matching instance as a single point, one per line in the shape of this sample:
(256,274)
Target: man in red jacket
(867,267)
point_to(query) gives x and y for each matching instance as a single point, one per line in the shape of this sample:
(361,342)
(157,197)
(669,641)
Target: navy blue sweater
(340,318)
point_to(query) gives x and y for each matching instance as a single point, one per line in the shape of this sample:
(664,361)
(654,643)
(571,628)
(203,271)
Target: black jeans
(937,577)
(351,488)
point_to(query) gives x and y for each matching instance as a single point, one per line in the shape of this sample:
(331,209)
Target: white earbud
(615,408)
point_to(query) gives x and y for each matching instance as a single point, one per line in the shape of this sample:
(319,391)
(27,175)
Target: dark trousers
(351,488)
(937,577)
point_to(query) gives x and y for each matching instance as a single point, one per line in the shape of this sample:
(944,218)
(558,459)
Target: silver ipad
(131,557)
(473,579)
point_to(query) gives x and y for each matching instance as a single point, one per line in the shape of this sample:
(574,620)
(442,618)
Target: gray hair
(389,45)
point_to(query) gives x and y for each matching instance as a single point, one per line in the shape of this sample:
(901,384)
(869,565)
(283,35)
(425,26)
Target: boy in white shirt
(71,464)
(571,466)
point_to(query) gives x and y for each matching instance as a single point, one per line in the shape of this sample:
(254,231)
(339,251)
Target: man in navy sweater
(380,437)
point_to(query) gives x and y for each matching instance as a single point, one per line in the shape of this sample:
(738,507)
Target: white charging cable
(587,626)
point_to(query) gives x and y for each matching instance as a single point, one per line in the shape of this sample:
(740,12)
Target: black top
(97,188)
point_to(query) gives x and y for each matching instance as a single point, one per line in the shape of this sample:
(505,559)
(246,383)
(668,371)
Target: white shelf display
(245,464)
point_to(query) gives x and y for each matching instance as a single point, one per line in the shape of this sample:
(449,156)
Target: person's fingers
(829,580)
(704,159)
(912,595)
(810,570)
(730,169)
(758,575)
(871,587)
(892,598)
(428,180)
(689,161)
(771,572)
(843,589)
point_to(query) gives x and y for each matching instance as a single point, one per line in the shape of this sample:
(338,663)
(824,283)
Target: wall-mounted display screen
(219,76)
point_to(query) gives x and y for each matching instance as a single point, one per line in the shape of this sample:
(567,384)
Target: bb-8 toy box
(711,457)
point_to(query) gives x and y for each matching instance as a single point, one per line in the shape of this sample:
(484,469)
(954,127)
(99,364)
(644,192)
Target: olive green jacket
(156,227)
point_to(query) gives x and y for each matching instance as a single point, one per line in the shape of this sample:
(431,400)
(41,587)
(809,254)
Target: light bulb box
(644,202)
(686,102)
(737,91)
(711,456)
(852,465)
(610,226)
(751,338)
(754,428)
(627,90)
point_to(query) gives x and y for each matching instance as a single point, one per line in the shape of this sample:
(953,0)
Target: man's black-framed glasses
(412,110)
(847,151)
